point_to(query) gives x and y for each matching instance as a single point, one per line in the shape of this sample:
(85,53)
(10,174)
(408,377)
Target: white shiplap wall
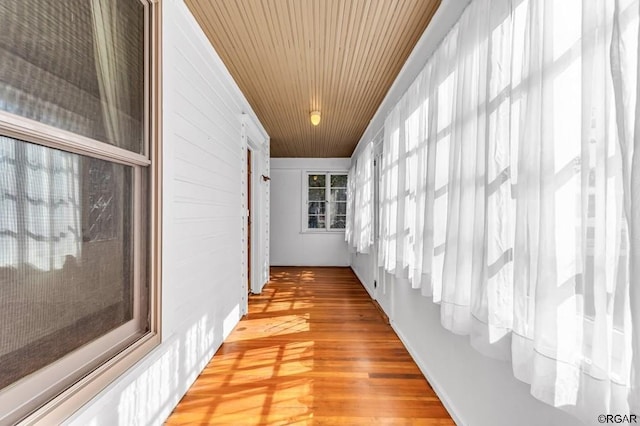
(204,260)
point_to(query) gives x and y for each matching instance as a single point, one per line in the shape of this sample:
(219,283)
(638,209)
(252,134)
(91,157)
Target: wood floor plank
(313,350)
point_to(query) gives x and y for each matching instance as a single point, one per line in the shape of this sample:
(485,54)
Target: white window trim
(304,218)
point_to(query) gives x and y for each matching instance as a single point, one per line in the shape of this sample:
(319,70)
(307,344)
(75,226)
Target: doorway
(255,206)
(249,219)
(377,164)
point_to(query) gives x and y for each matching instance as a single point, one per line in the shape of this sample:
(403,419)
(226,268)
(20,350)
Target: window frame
(147,243)
(305,201)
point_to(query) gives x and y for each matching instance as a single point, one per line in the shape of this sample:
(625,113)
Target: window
(77,180)
(326,201)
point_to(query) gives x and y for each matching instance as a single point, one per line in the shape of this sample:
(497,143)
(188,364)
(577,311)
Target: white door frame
(377,160)
(258,143)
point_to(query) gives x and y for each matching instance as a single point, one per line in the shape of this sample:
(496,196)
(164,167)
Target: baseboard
(437,388)
(306,265)
(362,282)
(384,315)
(435,385)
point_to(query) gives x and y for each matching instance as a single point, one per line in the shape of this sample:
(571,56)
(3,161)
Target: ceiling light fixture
(315,117)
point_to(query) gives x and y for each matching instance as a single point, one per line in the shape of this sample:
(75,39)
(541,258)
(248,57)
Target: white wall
(290,246)
(477,391)
(203,257)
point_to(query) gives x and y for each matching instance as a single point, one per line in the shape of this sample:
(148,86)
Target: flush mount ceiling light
(315,117)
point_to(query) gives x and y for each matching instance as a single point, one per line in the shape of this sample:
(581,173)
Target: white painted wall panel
(203,256)
(289,245)
(360,265)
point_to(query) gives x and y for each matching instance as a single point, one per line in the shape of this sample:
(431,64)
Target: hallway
(313,350)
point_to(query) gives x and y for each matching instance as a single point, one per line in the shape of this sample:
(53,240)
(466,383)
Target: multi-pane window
(326,203)
(75,185)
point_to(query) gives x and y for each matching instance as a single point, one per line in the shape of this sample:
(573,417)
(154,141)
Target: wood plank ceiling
(291,57)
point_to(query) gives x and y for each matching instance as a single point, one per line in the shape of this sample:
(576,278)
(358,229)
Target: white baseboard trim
(307,265)
(426,371)
(363,282)
(437,388)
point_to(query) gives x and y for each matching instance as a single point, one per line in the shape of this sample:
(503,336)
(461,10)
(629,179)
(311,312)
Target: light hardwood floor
(313,350)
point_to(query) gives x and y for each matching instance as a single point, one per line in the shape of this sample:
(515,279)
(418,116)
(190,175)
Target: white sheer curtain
(363,234)
(511,194)
(625,72)
(351,201)
(108,60)
(120,90)
(359,232)
(40,218)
